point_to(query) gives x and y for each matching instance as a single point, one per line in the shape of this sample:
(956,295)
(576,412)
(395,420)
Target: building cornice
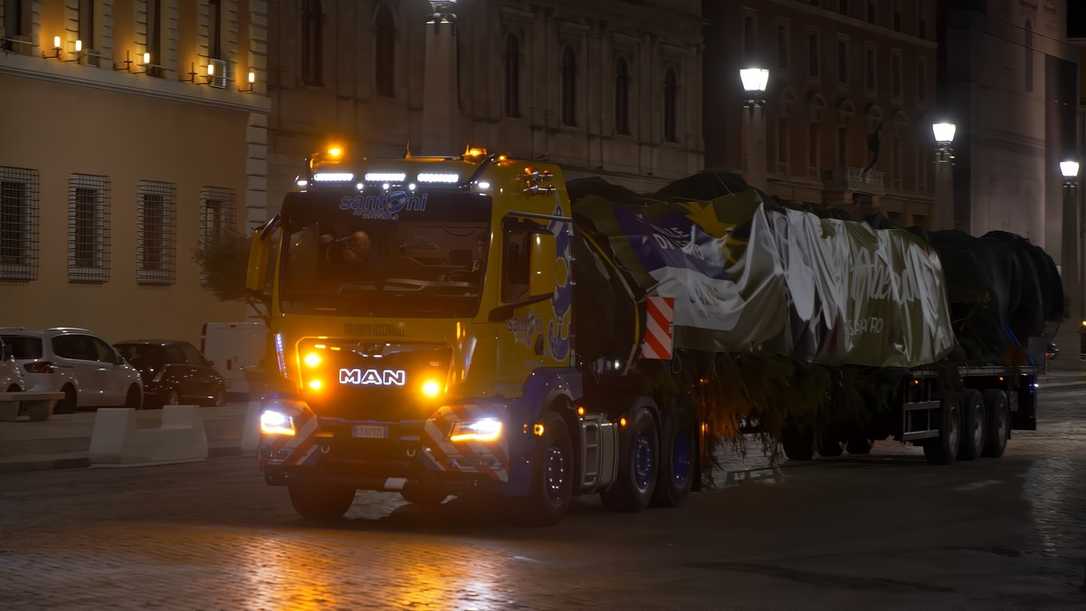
(125,82)
(825,13)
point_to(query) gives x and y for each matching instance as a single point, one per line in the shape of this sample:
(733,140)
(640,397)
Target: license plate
(369,431)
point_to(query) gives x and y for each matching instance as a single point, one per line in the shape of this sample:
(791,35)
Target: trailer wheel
(798,442)
(552,484)
(638,463)
(678,458)
(974,425)
(943,450)
(320,502)
(999,422)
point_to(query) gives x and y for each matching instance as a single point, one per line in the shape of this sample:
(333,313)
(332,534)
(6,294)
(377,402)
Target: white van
(234,347)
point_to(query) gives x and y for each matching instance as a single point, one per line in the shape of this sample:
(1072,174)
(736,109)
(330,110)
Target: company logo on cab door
(373,377)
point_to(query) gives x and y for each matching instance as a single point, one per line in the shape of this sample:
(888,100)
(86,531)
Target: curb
(84,462)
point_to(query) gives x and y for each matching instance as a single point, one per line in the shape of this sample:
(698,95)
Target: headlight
(484,429)
(276,423)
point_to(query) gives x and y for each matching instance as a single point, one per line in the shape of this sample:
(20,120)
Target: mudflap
(1024,405)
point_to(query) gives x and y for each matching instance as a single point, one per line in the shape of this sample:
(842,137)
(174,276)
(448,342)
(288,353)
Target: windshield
(23,346)
(143,355)
(384,254)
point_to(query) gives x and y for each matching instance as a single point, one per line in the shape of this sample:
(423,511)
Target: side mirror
(542,263)
(257,273)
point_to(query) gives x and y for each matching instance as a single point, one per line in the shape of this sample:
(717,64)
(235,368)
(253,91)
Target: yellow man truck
(456,326)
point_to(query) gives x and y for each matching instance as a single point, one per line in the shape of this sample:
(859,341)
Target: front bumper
(410,450)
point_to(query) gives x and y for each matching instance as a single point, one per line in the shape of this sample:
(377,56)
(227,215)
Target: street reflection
(286,575)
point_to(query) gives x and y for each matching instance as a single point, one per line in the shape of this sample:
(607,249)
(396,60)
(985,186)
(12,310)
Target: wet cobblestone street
(886,530)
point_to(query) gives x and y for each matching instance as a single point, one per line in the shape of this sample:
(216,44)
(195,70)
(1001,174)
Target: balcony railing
(854,179)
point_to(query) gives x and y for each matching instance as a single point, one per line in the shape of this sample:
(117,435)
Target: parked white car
(11,375)
(77,363)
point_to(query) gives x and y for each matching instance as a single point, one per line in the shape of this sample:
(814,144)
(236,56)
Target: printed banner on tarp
(747,277)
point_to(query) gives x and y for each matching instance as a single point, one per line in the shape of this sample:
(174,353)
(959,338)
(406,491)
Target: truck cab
(421,321)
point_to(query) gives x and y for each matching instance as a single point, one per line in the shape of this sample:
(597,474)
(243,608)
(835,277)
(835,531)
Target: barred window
(216,214)
(18,223)
(155,227)
(88,228)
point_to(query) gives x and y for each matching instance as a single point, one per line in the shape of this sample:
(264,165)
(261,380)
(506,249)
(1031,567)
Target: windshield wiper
(414,286)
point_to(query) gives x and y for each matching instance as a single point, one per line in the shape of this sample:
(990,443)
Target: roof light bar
(333,176)
(385,176)
(438,177)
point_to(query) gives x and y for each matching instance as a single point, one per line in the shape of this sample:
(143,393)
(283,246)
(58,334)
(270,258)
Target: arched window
(385,57)
(569,87)
(671,95)
(312,42)
(622,97)
(1029,56)
(512,76)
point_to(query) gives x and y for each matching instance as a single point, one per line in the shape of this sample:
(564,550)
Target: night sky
(1076,18)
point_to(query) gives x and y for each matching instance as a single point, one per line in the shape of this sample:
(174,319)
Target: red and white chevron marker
(659,312)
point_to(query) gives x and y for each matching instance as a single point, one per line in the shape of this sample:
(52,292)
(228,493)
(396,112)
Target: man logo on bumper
(373,377)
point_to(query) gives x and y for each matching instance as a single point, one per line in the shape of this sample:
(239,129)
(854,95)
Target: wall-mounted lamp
(252,82)
(56,49)
(127,63)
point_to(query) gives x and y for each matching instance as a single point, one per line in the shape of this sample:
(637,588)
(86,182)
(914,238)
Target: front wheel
(638,463)
(320,502)
(552,484)
(421,494)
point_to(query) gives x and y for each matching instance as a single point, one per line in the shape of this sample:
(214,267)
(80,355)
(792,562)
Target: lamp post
(944,133)
(755,81)
(1071,271)
(440,112)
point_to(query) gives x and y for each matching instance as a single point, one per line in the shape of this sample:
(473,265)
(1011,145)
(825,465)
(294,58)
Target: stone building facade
(120,156)
(603,88)
(843,74)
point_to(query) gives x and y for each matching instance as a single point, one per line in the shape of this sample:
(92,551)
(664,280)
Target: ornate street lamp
(444,11)
(1069,169)
(755,82)
(944,133)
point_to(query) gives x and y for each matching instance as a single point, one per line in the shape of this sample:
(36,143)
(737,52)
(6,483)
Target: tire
(69,404)
(420,494)
(552,481)
(638,464)
(974,425)
(943,450)
(133,399)
(999,422)
(859,445)
(678,458)
(320,502)
(829,446)
(798,443)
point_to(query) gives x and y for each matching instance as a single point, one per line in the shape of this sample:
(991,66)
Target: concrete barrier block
(250,433)
(112,428)
(180,438)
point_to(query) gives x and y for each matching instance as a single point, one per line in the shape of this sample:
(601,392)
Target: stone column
(440,106)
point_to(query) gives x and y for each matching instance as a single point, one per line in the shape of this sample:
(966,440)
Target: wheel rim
(554,474)
(644,461)
(680,464)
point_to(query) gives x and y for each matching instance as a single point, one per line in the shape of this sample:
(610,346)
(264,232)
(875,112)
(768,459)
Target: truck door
(535,328)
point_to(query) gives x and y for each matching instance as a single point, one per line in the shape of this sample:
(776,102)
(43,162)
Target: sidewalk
(64,440)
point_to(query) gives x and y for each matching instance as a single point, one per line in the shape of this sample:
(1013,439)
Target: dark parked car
(174,372)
